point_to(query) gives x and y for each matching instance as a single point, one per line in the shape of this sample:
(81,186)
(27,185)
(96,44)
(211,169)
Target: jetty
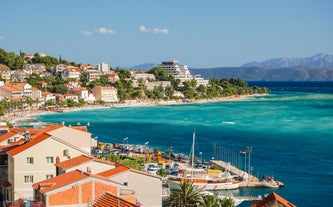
(247,180)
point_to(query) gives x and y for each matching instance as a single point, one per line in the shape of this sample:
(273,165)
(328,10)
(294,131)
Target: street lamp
(125,140)
(146,146)
(249,151)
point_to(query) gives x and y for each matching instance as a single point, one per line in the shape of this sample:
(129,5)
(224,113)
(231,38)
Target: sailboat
(203,179)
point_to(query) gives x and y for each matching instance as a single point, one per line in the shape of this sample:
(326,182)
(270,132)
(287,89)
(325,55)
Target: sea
(290,132)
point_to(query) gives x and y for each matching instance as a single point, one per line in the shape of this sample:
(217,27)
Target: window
(49,176)
(49,159)
(30,160)
(29,179)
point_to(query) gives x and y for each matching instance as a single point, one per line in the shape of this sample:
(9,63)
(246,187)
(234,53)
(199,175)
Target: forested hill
(299,73)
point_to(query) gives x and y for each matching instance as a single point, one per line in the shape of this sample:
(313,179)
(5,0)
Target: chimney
(27,136)
(88,170)
(57,160)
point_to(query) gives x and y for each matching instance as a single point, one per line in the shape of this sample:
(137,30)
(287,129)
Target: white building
(181,72)
(103,67)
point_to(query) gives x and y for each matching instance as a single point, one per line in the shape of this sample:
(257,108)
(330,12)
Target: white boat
(203,179)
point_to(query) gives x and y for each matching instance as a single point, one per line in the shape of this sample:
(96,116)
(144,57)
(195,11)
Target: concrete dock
(247,180)
(235,171)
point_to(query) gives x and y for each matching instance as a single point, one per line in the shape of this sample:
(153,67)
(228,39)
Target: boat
(202,179)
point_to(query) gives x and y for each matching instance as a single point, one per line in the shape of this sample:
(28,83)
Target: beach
(17,116)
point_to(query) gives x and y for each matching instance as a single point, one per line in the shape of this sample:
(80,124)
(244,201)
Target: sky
(200,34)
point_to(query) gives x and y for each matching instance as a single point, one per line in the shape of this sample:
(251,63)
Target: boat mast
(192,161)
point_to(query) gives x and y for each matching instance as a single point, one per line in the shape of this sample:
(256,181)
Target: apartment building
(105,93)
(34,160)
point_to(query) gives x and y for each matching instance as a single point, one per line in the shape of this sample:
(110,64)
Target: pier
(235,171)
(247,179)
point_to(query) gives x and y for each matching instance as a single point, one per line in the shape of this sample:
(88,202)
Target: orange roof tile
(272,198)
(7,136)
(65,179)
(74,162)
(114,171)
(29,144)
(121,168)
(107,199)
(80,160)
(59,181)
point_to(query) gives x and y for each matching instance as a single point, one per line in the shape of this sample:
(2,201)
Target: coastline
(21,115)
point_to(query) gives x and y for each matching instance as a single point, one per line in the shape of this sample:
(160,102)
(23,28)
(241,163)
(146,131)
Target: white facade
(181,72)
(103,67)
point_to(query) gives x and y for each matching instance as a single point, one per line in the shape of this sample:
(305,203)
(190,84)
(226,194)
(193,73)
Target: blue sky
(201,34)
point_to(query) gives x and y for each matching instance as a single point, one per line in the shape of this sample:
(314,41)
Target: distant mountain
(299,73)
(319,60)
(145,66)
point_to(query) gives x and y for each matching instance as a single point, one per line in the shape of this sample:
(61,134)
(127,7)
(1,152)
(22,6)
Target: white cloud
(104,30)
(2,38)
(154,30)
(87,33)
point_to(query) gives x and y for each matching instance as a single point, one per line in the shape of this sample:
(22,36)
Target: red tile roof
(6,136)
(59,181)
(74,162)
(114,171)
(29,144)
(81,160)
(107,199)
(121,168)
(65,179)
(272,198)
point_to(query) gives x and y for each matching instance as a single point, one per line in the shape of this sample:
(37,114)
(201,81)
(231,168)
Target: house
(142,74)
(113,77)
(92,74)
(5,72)
(16,90)
(69,96)
(148,195)
(58,68)
(105,93)
(273,200)
(78,188)
(81,92)
(71,72)
(47,96)
(34,160)
(42,84)
(83,163)
(85,67)
(37,68)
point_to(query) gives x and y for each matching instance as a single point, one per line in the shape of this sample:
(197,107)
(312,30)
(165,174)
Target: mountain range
(319,60)
(315,68)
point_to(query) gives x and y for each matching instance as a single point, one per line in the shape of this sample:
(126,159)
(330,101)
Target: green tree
(60,89)
(186,196)
(210,201)
(159,73)
(228,202)
(162,172)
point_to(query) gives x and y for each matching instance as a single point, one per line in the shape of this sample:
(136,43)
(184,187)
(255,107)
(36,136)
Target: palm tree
(210,201)
(186,196)
(228,202)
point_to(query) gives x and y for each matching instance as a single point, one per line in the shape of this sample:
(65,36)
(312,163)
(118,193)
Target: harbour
(289,132)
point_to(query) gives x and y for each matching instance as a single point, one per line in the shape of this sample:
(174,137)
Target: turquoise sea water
(290,130)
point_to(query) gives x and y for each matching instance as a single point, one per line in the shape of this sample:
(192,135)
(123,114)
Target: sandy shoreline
(22,115)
